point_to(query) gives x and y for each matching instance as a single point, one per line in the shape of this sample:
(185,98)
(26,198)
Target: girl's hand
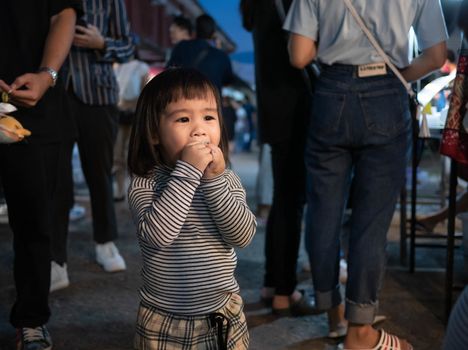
(217,165)
(197,154)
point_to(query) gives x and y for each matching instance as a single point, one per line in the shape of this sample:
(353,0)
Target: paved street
(98,310)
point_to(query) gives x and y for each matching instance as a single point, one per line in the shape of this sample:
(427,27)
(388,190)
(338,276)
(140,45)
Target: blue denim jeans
(358,130)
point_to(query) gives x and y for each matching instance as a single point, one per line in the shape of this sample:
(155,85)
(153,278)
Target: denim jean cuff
(360,313)
(328,300)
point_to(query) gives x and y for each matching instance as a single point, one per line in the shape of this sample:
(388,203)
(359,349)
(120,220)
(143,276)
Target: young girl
(190,212)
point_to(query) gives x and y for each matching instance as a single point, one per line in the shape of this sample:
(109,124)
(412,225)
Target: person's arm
(431,59)
(302,50)
(34,85)
(226,199)
(118,45)
(160,219)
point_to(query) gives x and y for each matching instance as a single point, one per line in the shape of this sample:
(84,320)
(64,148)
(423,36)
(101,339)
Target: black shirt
(199,54)
(25,26)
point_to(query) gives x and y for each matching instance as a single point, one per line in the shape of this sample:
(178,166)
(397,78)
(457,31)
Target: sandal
(388,342)
(341,330)
(303,307)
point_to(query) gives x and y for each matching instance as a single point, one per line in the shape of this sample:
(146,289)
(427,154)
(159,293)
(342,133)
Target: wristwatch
(53,73)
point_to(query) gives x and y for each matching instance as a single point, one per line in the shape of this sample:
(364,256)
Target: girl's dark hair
(169,86)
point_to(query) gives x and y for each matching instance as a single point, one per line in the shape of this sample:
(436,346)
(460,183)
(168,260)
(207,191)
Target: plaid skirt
(159,330)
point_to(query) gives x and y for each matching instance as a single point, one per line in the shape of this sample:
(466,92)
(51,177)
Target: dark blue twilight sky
(226,14)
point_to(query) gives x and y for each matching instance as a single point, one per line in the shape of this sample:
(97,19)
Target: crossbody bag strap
(378,48)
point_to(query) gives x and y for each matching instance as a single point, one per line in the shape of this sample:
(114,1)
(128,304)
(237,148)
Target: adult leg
(28,197)
(120,161)
(381,126)
(328,161)
(284,223)
(62,203)
(97,129)
(378,177)
(329,174)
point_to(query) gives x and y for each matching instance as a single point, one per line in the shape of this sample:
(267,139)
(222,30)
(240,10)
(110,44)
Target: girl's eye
(182,120)
(209,117)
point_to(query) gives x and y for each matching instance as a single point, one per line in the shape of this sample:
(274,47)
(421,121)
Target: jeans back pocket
(384,113)
(327,109)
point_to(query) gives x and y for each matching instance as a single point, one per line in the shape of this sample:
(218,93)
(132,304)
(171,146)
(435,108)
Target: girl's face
(186,121)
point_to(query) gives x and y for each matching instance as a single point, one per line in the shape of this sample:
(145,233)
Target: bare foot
(284,301)
(427,224)
(337,323)
(280,302)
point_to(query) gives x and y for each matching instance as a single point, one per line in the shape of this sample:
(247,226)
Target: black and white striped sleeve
(227,203)
(160,216)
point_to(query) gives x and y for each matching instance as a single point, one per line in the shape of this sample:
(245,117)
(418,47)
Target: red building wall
(151,23)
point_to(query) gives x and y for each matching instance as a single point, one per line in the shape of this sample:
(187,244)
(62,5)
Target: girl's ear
(155,140)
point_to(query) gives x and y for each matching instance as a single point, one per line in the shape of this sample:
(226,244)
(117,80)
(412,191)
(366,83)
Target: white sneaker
(107,255)
(58,276)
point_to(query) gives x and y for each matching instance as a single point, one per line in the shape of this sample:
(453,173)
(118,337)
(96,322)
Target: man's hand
(4,87)
(27,89)
(89,37)
(197,154)
(218,165)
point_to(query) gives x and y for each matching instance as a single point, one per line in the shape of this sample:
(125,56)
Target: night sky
(226,14)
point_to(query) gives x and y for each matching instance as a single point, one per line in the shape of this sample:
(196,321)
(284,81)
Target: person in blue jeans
(359,126)
(456,337)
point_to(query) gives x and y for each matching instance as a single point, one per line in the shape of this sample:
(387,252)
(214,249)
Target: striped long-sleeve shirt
(89,72)
(187,230)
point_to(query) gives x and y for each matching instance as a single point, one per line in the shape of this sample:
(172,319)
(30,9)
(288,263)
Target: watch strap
(52,72)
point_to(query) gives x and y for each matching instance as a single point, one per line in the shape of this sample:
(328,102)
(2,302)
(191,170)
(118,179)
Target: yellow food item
(11,130)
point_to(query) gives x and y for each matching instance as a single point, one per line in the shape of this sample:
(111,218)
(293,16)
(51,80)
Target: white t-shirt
(130,77)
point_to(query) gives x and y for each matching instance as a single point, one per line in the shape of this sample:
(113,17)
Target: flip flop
(387,341)
(303,307)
